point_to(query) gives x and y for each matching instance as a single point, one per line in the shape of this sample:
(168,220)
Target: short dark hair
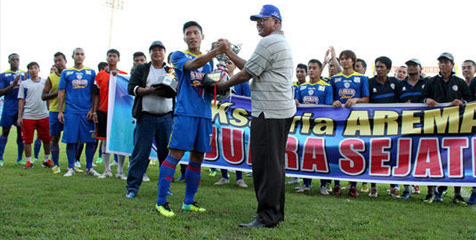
(348,54)
(302,66)
(191,23)
(385,60)
(112,50)
(138,54)
(102,65)
(315,61)
(32,64)
(12,54)
(60,54)
(364,64)
(470,61)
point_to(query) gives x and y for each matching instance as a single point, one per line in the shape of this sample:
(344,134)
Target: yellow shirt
(53,103)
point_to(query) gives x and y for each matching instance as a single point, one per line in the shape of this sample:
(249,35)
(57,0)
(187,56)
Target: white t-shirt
(34,107)
(153,103)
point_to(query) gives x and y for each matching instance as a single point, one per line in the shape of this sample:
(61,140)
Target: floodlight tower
(113,4)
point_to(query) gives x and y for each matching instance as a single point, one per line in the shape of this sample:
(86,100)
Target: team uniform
(315,93)
(383,93)
(78,84)
(192,130)
(10,110)
(55,126)
(409,92)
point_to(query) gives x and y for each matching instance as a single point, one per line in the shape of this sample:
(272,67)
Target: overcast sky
(398,29)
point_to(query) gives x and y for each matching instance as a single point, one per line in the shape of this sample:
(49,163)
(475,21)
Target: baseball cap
(268,10)
(446,55)
(156,44)
(413,60)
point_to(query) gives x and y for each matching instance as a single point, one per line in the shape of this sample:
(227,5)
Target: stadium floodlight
(113,4)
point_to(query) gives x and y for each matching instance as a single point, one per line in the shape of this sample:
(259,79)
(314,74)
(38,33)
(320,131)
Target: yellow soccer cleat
(165,210)
(193,207)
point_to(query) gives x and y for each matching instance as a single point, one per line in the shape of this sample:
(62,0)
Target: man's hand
(351,102)
(223,45)
(457,102)
(92,116)
(16,80)
(20,122)
(61,117)
(430,102)
(333,52)
(326,57)
(337,104)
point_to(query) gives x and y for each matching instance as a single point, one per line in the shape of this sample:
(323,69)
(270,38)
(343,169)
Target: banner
(382,143)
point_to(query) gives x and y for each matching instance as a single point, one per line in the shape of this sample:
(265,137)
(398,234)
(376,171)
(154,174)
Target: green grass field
(36,204)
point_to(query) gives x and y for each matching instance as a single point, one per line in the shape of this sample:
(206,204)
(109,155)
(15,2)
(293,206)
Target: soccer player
(32,114)
(316,91)
(50,94)
(77,91)
(102,82)
(9,85)
(192,127)
(349,88)
(383,89)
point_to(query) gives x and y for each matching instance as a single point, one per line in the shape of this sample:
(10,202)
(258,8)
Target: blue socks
(192,181)
(37,148)
(55,154)
(71,153)
(3,143)
(167,171)
(20,148)
(90,151)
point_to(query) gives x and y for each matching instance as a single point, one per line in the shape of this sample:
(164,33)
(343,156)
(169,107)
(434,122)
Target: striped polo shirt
(271,67)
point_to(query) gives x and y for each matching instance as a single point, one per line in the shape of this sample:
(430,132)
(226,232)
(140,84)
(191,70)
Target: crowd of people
(75,101)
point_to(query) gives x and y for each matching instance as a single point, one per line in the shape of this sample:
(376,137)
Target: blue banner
(382,143)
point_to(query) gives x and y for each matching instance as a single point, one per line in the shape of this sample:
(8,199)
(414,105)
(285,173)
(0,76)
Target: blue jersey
(11,98)
(77,84)
(345,87)
(192,100)
(315,93)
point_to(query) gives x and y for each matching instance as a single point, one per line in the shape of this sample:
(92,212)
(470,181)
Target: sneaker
(293,180)
(222,181)
(212,173)
(121,176)
(364,188)
(131,195)
(415,189)
(92,172)
(56,169)
(337,190)
(169,193)
(439,197)
(145,178)
(165,210)
(472,199)
(69,173)
(347,186)
(405,195)
(241,183)
(181,178)
(99,160)
(303,189)
(329,187)
(105,174)
(324,191)
(21,162)
(193,207)
(48,164)
(394,193)
(77,164)
(1,163)
(373,192)
(457,199)
(77,170)
(28,165)
(353,192)
(429,198)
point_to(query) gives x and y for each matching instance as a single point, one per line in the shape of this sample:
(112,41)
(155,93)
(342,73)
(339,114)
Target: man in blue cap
(273,107)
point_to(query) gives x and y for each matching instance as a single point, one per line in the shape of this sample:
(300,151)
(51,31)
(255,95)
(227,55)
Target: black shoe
(254,224)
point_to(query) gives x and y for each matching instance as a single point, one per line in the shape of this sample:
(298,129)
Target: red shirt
(102,81)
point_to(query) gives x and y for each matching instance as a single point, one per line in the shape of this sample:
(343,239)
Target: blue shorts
(77,128)
(191,133)
(9,117)
(55,126)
